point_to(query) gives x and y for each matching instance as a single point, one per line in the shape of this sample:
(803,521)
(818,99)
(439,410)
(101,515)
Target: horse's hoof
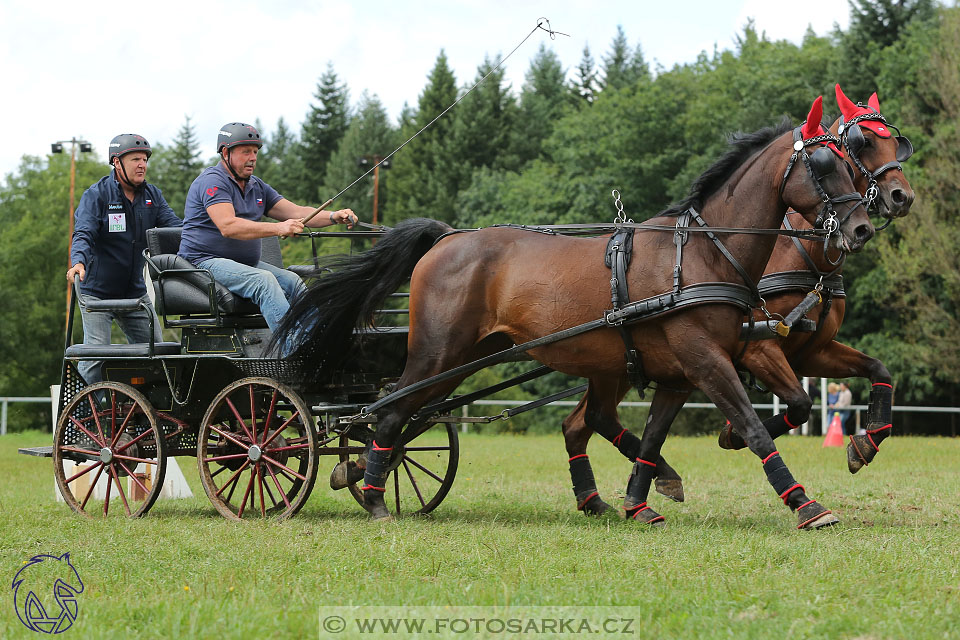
(814,516)
(727,439)
(345,474)
(644,514)
(860,452)
(670,487)
(595,506)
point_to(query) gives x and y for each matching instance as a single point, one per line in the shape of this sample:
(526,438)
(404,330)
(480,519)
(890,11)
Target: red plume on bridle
(812,127)
(851,110)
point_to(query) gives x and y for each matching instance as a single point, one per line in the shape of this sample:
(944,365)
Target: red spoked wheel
(109,456)
(257,450)
(421,472)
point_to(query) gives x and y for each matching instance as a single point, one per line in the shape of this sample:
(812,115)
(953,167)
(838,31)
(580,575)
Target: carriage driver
(222,228)
(109,237)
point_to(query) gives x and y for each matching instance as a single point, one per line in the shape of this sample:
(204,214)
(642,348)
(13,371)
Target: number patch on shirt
(118,222)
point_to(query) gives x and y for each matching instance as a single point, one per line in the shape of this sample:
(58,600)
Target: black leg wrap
(780,477)
(585,487)
(776,426)
(638,486)
(628,444)
(862,449)
(378,462)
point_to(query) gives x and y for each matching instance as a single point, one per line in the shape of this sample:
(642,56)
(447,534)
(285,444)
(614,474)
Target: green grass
(730,563)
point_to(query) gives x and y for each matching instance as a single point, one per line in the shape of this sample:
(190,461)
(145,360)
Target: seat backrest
(162,240)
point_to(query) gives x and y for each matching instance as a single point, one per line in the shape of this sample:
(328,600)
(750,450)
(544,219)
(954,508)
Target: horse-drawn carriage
(259,430)
(259,424)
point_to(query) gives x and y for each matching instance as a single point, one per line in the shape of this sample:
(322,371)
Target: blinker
(855,139)
(822,162)
(904,149)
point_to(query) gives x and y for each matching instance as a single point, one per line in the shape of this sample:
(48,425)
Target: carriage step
(40,452)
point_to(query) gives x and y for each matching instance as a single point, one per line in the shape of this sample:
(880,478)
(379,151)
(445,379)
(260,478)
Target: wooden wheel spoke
(422,468)
(132,459)
(396,488)
(77,424)
(96,419)
(283,426)
(123,496)
(270,412)
(436,448)
(246,494)
(288,448)
(83,451)
(229,437)
(284,467)
(123,426)
(92,486)
(134,477)
(106,501)
(84,472)
(126,446)
(236,414)
(253,414)
(283,494)
(413,482)
(232,479)
(232,456)
(266,485)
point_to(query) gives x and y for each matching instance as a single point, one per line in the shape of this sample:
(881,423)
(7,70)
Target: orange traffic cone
(834,436)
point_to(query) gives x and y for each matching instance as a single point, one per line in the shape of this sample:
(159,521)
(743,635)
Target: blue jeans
(96,330)
(271,288)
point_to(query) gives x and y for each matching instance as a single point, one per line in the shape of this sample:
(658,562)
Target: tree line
(550,151)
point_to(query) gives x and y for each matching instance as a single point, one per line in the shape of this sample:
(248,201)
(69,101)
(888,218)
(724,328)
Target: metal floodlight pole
(57,147)
(376,159)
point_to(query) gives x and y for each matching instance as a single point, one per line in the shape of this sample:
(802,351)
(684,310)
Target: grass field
(730,562)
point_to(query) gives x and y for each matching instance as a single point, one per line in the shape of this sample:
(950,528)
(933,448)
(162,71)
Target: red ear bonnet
(812,127)
(850,111)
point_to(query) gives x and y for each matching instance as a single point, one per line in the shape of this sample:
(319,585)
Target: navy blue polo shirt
(109,236)
(201,238)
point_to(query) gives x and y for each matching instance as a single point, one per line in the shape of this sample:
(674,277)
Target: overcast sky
(95,69)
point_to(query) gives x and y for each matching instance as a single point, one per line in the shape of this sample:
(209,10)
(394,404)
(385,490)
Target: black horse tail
(320,324)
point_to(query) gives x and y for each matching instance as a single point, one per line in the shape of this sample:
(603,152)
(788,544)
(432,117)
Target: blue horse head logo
(45,592)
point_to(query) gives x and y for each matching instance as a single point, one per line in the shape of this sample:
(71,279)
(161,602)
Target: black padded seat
(138,350)
(186,292)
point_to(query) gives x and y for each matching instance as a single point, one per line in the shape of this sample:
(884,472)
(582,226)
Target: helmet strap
(125,179)
(230,167)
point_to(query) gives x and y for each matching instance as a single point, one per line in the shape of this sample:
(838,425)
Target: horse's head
(818,184)
(875,154)
(45,593)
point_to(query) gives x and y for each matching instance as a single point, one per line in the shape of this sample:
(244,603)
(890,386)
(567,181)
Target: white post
(823,405)
(776,404)
(805,427)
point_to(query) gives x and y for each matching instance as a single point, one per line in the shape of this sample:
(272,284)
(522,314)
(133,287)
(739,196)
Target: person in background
(842,405)
(109,237)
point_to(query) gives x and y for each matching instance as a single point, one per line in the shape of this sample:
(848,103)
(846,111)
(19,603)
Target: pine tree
(621,68)
(279,163)
(543,100)
(174,168)
(369,138)
(484,123)
(585,85)
(425,174)
(322,130)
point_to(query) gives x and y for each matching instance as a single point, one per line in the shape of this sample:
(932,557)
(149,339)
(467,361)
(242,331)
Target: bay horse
(874,155)
(476,293)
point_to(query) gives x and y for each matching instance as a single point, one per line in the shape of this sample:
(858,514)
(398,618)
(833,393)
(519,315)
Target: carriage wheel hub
(254,453)
(106,455)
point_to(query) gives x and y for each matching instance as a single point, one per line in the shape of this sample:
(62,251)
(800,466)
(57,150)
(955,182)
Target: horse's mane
(742,147)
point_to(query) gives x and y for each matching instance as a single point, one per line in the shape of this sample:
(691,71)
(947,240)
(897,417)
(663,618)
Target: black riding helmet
(234,134)
(127,143)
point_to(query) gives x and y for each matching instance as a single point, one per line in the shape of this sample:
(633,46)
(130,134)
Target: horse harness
(747,296)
